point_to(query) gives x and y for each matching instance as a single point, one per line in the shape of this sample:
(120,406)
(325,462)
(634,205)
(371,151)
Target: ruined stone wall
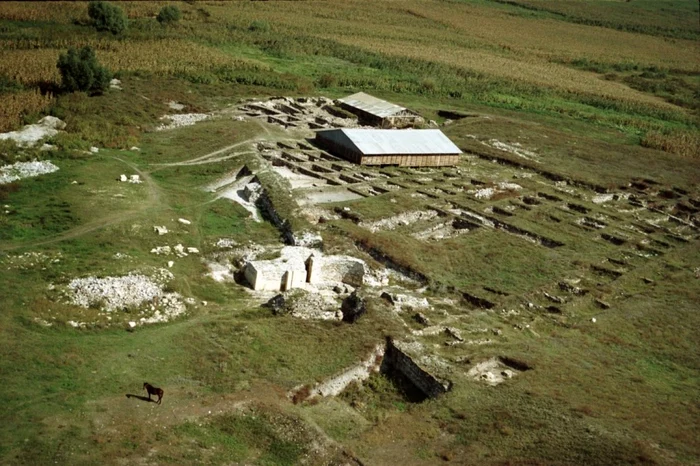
(268,211)
(262,278)
(426,382)
(251,275)
(343,269)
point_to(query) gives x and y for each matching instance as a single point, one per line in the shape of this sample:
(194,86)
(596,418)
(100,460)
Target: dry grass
(15,105)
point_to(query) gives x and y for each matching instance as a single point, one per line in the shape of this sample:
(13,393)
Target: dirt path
(212,160)
(206,156)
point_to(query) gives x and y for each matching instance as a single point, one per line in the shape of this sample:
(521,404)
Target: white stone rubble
(20,170)
(180,120)
(30,135)
(128,292)
(602,198)
(175,105)
(491,371)
(513,148)
(403,219)
(161,250)
(484,193)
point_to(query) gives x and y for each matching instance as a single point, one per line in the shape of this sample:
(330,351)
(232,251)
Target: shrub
(80,71)
(169,14)
(107,17)
(259,26)
(327,80)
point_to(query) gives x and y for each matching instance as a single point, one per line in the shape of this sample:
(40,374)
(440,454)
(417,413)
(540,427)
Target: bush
(169,14)
(327,80)
(80,71)
(107,17)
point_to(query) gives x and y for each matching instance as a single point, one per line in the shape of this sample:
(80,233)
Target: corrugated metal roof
(371,104)
(395,141)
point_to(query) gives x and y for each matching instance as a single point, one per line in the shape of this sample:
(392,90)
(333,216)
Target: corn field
(683,143)
(18,104)
(33,66)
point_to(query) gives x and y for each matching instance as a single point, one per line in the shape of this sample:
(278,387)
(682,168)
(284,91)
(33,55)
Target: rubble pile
(128,292)
(303,304)
(19,170)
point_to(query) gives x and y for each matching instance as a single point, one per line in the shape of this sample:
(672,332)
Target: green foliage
(8,151)
(169,14)
(259,26)
(107,17)
(80,71)
(8,84)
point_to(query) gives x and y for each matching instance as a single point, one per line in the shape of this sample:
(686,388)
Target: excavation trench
(413,379)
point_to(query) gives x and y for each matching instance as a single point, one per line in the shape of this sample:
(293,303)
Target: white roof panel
(371,104)
(399,141)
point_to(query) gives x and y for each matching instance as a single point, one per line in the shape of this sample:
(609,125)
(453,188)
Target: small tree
(169,14)
(80,71)
(107,17)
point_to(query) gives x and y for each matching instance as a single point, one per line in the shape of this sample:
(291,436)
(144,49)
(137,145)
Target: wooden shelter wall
(423,160)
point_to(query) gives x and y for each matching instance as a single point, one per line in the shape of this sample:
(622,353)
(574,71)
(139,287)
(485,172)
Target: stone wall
(269,213)
(398,359)
(344,269)
(261,278)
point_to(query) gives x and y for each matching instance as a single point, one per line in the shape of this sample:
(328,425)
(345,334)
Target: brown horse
(153,391)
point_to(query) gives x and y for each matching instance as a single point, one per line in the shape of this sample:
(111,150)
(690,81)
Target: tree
(107,17)
(80,71)
(169,14)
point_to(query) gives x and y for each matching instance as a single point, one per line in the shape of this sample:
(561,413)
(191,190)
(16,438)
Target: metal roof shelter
(409,147)
(379,112)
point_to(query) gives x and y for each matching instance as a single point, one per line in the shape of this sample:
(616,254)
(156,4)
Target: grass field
(602,96)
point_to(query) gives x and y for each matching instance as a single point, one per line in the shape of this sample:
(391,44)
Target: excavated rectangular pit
(613,239)
(414,381)
(477,301)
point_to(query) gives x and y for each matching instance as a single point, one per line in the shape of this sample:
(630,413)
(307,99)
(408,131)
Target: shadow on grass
(142,398)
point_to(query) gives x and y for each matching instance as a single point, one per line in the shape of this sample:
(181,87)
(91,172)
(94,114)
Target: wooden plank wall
(426,160)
